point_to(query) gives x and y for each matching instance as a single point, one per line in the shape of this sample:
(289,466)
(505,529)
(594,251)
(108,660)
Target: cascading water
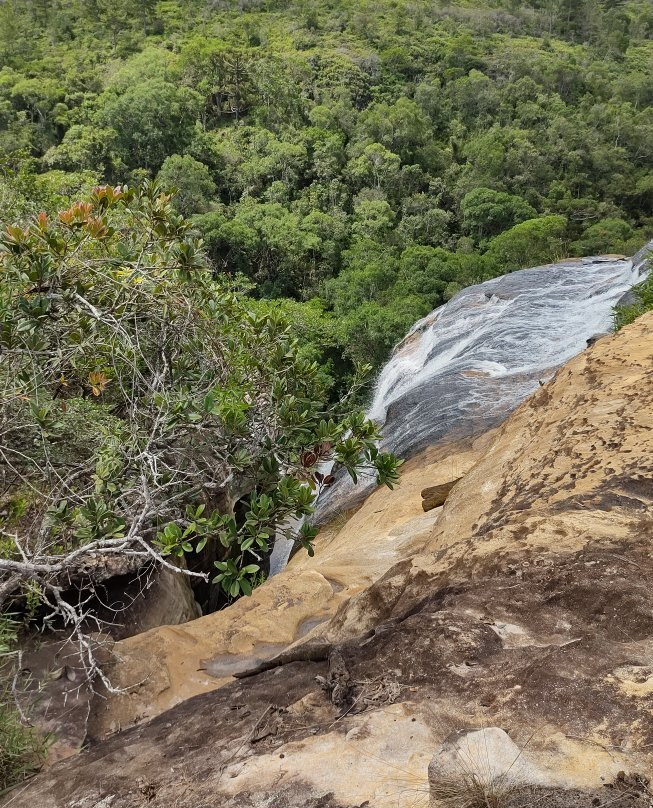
(463,368)
(472,361)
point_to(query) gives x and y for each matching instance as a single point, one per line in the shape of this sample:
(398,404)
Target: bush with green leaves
(143,398)
(608,234)
(535,241)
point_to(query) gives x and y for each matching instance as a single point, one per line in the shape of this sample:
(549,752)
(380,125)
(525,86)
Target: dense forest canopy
(365,160)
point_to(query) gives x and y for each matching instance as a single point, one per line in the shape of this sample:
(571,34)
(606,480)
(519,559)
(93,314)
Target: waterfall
(472,361)
(463,368)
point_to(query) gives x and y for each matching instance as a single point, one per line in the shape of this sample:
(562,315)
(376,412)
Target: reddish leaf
(309,459)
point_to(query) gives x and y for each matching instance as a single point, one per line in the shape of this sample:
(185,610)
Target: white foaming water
(464,367)
(477,357)
(413,360)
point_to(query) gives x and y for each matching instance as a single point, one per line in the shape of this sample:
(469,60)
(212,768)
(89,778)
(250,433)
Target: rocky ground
(162,667)
(517,617)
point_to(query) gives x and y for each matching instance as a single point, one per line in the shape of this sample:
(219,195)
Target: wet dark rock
(594,339)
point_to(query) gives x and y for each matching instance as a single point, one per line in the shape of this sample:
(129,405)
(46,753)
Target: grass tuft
(21,748)
(471,791)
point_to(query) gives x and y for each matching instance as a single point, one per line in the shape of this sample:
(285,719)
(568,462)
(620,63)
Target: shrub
(142,397)
(535,241)
(608,235)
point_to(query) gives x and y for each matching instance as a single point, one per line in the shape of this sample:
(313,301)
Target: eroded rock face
(56,691)
(524,605)
(158,596)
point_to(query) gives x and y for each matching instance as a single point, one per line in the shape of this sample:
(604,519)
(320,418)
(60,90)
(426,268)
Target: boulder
(481,761)
(629,298)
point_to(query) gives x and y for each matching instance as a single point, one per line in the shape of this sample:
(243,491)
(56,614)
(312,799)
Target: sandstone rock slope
(162,667)
(526,611)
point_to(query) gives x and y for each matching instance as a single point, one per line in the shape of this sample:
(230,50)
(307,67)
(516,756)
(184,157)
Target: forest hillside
(361,160)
